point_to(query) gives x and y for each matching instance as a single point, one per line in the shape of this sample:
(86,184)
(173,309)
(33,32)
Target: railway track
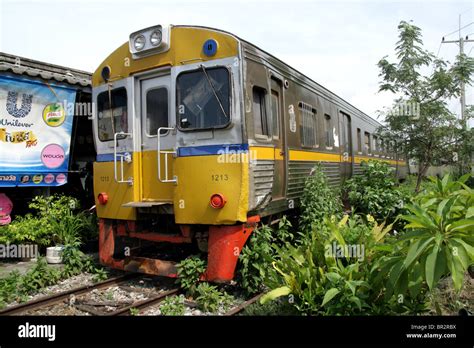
(61,299)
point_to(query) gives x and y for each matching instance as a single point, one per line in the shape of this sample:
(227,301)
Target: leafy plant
(440,241)
(374,192)
(210,299)
(134,311)
(258,254)
(255,258)
(55,220)
(319,281)
(173,305)
(318,200)
(190,271)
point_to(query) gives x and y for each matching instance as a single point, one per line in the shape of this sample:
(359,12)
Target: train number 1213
(220,177)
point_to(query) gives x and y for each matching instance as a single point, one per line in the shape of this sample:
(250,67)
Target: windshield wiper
(213,90)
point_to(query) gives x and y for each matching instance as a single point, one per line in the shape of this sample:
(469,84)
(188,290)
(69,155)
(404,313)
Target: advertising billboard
(35,132)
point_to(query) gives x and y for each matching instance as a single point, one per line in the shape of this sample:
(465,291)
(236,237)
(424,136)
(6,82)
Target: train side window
(359,140)
(328,131)
(260,116)
(112,113)
(275,114)
(156,110)
(308,125)
(367,146)
(382,147)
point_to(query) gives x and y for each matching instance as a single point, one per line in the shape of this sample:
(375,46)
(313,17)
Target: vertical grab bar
(166,153)
(126,156)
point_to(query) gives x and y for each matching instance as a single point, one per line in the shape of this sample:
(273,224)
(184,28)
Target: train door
(279,141)
(346,145)
(155,109)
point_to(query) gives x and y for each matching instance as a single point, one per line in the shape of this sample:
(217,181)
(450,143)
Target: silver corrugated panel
(262,177)
(357,169)
(298,172)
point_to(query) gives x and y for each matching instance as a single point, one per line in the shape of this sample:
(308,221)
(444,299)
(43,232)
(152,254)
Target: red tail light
(218,201)
(103,198)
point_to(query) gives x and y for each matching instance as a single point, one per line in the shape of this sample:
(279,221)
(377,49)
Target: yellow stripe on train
(271,153)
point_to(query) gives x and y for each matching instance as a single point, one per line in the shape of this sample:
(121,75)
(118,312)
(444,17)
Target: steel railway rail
(61,298)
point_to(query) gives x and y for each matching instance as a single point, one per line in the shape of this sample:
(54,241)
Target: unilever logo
(26,101)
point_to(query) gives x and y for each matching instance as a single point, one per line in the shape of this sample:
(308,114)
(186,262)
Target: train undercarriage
(131,246)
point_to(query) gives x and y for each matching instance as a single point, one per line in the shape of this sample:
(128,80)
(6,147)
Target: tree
(421,121)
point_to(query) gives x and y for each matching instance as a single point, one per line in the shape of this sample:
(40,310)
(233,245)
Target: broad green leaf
(415,251)
(445,181)
(460,253)
(415,279)
(470,212)
(463,225)
(402,285)
(272,295)
(395,273)
(455,267)
(329,295)
(435,266)
(333,277)
(464,178)
(469,248)
(356,300)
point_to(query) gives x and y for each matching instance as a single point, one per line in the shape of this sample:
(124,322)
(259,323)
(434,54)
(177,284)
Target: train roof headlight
(139,42)
(155,37)
(149,41)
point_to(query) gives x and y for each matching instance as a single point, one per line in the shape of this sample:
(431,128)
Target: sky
(336,43)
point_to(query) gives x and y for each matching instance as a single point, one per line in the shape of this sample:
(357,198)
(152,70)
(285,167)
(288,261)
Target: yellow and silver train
(201,135)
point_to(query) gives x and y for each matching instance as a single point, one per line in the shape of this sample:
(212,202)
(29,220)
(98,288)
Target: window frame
(106,91)
(278,116)
(368,145)
(328,131)
(178,123)
(258,136)
(314,113)
(146,109)
(360,149)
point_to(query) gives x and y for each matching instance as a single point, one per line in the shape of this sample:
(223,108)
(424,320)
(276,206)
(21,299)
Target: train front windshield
(203,98)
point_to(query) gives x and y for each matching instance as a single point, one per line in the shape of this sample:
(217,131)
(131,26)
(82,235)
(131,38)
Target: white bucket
(54,254)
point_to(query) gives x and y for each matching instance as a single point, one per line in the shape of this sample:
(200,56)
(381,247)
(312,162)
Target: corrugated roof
(34,68)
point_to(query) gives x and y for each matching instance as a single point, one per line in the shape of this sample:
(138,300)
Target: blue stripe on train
(105,157)
(205,150)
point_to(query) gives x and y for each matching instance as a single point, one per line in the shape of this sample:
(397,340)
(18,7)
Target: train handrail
(125,156)
(166,179)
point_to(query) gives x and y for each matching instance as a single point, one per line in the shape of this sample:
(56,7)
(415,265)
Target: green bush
(375,192)
(189,272)
(440,241)
(318,200)
(254,260)
(173,305)
(319,281)
(55,220)
(210,299)
(257,255)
